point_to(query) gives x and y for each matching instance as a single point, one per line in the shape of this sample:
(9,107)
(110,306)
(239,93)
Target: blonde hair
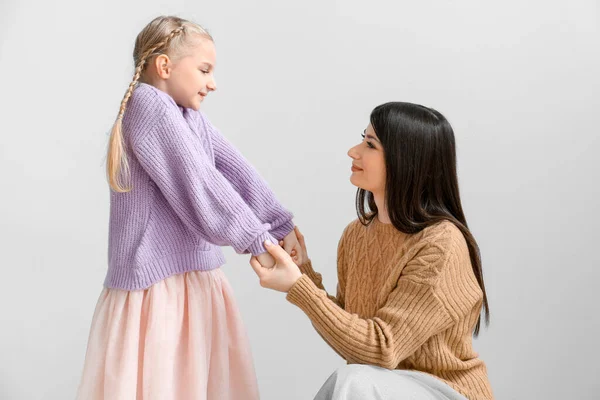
(164,35)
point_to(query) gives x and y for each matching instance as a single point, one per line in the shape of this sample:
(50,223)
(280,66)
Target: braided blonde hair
(164,35)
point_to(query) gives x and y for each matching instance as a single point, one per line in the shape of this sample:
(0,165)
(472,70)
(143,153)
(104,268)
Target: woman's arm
(317,278)
(414,311)
(247,182)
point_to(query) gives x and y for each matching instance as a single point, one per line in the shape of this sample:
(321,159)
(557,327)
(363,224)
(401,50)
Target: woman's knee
(350,382)
(355,381)
(354,373)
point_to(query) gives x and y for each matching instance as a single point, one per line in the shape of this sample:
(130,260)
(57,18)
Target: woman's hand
(302,243)
(283,275)
(291,246)
(298,246)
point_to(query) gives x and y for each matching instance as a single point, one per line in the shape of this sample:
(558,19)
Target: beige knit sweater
(403,302)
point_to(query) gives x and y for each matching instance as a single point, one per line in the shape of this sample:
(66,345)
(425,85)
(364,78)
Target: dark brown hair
(421,179)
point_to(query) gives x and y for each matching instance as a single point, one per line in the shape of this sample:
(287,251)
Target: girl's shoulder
(146,98)
(148,110)
(146,106)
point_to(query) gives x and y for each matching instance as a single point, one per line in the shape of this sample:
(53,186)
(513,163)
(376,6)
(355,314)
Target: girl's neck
(154,81)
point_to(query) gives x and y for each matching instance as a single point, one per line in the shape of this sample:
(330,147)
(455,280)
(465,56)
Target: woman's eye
(368,143)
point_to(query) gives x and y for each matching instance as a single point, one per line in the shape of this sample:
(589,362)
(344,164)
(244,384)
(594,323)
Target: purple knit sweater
(192,192)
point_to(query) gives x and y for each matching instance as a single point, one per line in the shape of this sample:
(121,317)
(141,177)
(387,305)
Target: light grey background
(297,81)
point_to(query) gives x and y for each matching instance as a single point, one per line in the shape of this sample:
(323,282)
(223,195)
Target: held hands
(283,275)
(266,260)
(292,245)
(302,244)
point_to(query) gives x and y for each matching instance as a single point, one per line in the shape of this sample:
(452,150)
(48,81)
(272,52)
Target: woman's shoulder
(441,231)
(439,247)
(443,238)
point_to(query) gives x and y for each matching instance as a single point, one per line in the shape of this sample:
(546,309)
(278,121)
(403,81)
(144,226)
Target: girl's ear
(163,67)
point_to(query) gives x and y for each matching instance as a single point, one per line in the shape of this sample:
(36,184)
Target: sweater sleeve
(412,314)
(317,278)
(200,195)
(247,182)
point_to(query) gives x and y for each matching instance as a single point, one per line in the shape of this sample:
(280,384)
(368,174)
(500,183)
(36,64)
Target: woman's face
(368,163)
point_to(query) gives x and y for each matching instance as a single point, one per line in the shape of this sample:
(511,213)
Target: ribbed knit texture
(403,302)
(192,192)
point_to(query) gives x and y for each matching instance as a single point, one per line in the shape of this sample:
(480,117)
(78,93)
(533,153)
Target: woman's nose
(353,153)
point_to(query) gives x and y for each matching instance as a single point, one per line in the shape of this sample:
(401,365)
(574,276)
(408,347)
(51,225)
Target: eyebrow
(370,136)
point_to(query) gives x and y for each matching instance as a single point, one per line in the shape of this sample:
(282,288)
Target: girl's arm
(201,196)
(247,182)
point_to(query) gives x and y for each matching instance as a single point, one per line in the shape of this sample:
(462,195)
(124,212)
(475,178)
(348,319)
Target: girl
(410,284)
(166,325)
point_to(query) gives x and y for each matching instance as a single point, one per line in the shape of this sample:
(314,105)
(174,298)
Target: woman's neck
(382,212)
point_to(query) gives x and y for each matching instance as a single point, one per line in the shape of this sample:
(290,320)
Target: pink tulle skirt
(183,338)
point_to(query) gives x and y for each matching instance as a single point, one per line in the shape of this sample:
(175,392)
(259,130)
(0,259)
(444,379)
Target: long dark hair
(421,179)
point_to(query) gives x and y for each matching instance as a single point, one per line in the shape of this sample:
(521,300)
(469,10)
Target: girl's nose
(212,85)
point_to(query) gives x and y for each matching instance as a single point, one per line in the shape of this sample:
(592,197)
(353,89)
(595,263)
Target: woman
(411,291)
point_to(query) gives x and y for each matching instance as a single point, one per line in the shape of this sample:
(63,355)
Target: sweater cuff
(308,270)
(283,230)
(303,293)
(257,247)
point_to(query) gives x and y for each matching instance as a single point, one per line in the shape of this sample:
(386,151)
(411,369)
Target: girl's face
(368,163)
(192,77)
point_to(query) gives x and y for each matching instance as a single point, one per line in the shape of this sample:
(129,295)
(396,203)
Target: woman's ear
(163,66)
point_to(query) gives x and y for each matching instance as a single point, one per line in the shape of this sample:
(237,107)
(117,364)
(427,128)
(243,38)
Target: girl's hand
(281,277)
(266,260)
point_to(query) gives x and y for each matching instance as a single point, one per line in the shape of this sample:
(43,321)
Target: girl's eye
(204,71)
